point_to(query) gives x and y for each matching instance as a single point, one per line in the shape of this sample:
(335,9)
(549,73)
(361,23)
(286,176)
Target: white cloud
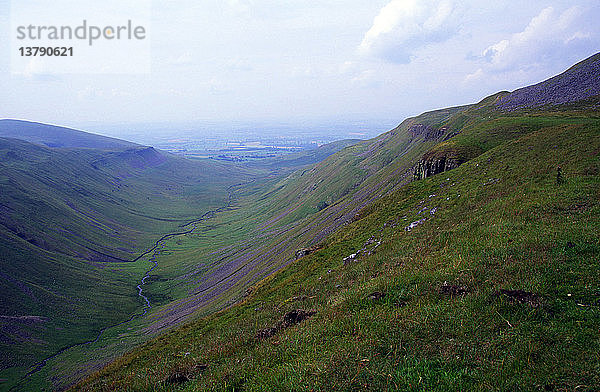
(475,76)
(404,26)
(549,36)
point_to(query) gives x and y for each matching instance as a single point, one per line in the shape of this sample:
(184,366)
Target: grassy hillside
(497,288)
(450,282)
(362,250)
(71,221)
(273,219)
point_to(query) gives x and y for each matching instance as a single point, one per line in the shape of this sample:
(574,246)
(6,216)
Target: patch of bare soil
(289,319)
(521,296)
(180,376)
(453,290)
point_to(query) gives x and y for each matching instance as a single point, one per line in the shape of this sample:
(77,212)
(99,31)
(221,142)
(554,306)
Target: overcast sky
(321,60)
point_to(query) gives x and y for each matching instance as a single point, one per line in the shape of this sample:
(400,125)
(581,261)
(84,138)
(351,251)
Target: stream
(155,251)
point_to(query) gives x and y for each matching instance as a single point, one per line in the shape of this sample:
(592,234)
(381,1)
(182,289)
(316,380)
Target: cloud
(549,37)
(185,58)
(404,26)
(475,76)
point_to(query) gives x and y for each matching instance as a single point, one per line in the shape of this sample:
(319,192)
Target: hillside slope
(267,229)
(71,222)
(55,136)
(480,278)
(301,210)
(578,83)
(79,230)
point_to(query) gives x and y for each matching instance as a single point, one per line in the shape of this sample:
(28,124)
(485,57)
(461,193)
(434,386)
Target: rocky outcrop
(432,166)
(300,253)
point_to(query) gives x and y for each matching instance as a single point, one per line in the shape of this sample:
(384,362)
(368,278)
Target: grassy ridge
(386,321)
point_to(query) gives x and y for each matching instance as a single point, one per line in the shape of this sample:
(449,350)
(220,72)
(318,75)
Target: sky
(311,60)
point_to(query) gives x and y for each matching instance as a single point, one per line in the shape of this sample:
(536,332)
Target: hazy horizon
(305,62)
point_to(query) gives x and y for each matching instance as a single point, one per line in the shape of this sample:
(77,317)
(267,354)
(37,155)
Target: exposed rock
(414,224)
(430,133)
(432,166)
(181,376)
(177,378)
(295,316)
(300,253)
(559,176)
(347,259)
(376,295)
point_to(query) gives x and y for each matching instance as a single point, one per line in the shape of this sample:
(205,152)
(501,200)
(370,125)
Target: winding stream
(155,251)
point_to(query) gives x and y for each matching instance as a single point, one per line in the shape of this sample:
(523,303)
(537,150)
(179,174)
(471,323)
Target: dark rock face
(580,82)
(432,166)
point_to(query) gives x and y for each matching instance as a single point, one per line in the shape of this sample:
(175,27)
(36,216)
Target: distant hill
(61,137)
(580,82)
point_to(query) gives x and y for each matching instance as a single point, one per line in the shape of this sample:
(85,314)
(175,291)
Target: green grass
(62,211)
(502,222)
(59,203)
